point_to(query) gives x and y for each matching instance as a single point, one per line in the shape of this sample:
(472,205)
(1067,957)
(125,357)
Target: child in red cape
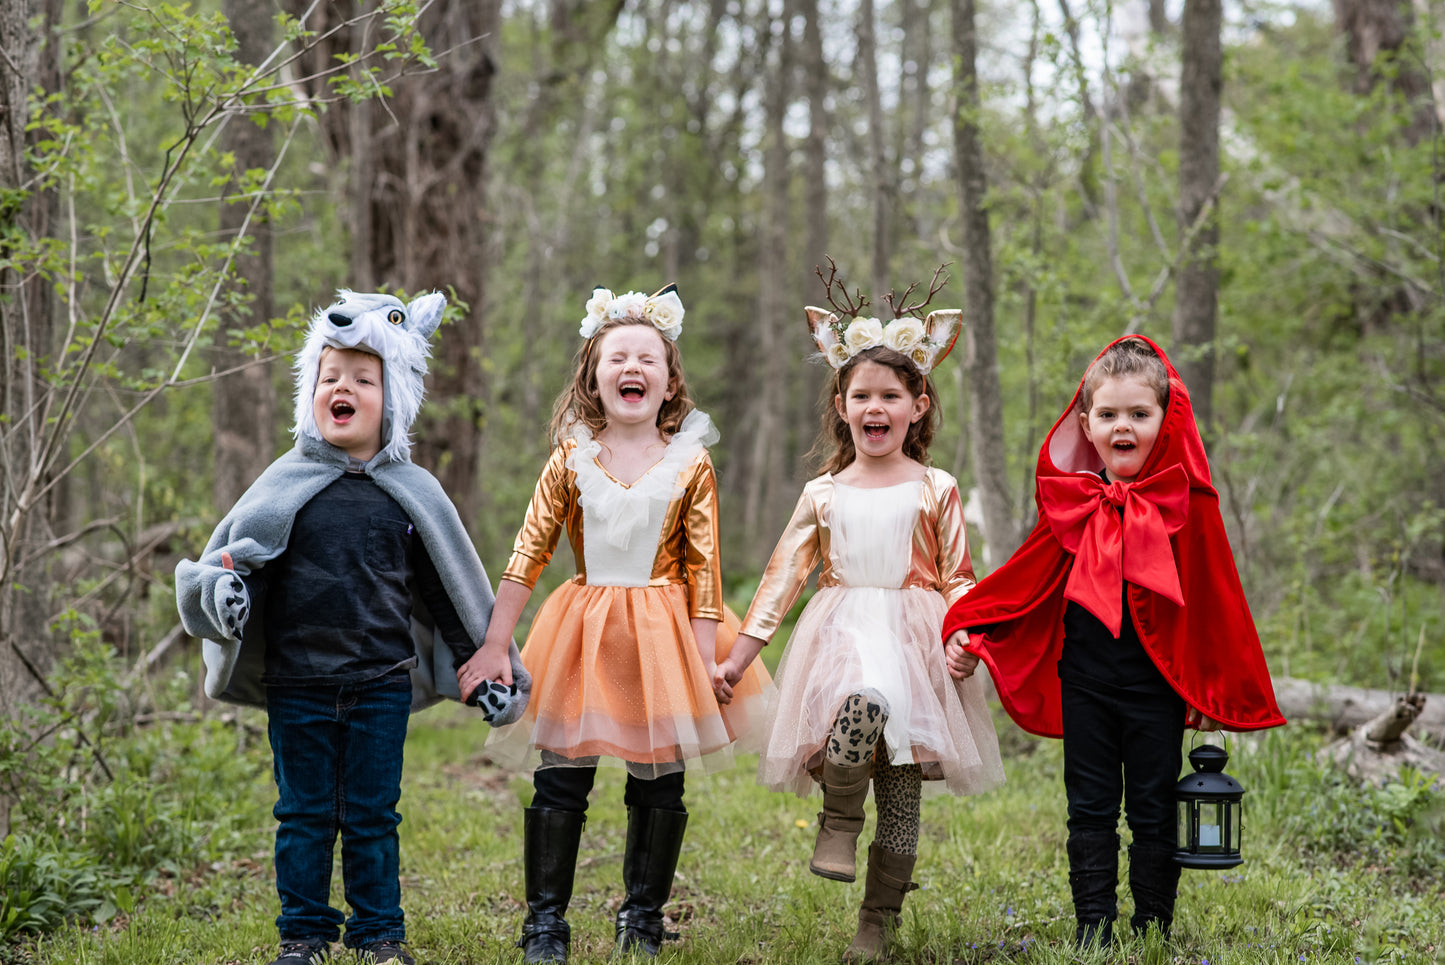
(1119,622)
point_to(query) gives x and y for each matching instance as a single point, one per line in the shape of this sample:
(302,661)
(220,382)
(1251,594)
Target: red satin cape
(1199,632)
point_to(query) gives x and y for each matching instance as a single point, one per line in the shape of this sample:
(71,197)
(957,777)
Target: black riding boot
(1093,878)
(654,841)
(549,859)
(1154,880)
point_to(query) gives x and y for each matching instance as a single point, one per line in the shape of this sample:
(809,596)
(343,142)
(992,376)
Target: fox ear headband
(843,332)
(663,309)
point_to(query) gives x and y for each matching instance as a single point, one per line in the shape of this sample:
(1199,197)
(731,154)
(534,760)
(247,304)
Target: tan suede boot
(835,853)
(878,918)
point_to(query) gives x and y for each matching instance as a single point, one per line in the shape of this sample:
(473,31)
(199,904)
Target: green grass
(1332,873)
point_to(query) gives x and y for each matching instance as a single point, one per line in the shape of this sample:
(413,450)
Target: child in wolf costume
(340,593)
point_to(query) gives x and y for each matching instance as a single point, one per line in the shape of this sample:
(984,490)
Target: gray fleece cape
(213,604)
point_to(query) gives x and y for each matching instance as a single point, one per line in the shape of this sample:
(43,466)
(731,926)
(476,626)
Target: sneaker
(310,952)
(384,951)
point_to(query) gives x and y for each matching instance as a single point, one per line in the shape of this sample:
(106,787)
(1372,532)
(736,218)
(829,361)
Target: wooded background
(1255,185)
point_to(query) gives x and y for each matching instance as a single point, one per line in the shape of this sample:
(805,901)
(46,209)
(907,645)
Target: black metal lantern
(1210,806)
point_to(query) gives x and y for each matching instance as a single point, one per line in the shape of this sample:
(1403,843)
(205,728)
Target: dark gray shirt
(338,601)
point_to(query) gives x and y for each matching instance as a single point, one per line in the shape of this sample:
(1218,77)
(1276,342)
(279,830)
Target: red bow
(1110,547)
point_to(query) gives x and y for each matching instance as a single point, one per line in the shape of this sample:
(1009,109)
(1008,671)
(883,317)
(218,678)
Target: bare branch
(1142,309)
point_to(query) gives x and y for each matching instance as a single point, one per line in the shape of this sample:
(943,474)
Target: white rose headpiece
(844,332)
(663,309)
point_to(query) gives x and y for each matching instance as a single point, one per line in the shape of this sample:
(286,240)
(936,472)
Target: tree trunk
(1375,751)
(985,396)
(884,176)
(243,405)
(418,213)
(1343,709)
(915,108)
(1197,281)
(816,87)
(1158,18)
(27,342)
(1378,35)
(762,510)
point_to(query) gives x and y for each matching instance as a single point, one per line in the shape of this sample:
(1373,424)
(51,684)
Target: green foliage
(1333,822)
(44,884)
(104,813)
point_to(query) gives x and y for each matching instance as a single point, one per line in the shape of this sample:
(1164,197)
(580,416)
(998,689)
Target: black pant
(566,789)
(1122,743)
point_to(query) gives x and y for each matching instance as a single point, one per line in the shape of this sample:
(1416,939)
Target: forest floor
(1333,873)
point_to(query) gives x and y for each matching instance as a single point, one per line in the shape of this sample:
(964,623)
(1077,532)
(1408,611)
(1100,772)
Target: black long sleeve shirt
(338,601)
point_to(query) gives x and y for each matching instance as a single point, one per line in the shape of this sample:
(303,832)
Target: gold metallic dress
(893,560)
(615,669)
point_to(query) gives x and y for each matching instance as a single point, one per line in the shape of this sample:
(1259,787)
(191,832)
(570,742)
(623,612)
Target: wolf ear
(425,313)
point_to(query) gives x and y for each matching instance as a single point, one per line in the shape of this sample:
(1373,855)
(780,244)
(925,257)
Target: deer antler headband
(663,309)
(843,332)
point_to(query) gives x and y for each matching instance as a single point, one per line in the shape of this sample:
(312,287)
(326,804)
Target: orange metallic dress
(893,559)
(615,669)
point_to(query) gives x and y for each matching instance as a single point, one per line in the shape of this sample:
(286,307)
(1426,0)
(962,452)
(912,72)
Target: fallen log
(1342,709)
(1375,751)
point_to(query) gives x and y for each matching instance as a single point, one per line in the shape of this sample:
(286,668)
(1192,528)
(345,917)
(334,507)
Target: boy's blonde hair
(578,403)
(1126,358)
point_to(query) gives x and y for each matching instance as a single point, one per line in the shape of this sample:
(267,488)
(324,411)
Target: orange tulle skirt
(616,677)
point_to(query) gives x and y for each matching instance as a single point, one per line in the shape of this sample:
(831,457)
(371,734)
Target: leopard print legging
(896,790)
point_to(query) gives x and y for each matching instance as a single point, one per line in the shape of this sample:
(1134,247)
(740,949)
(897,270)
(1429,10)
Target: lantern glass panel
(1211,826)
(1186,811)
(1234,826)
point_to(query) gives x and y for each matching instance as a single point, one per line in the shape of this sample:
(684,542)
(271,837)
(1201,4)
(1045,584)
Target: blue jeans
(338,757)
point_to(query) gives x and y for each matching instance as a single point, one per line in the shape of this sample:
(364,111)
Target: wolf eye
(395,316)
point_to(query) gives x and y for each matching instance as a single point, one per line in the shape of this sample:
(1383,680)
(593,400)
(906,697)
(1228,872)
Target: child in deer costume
(864,694)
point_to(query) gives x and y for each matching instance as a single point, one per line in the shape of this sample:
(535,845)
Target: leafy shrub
(1331,818)
(101,808)
(43,885)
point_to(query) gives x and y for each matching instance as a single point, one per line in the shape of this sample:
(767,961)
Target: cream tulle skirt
(616,676)
(884,643)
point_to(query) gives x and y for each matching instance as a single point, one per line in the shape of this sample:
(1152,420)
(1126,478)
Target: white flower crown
(663,309)
(926,341)
(843,333)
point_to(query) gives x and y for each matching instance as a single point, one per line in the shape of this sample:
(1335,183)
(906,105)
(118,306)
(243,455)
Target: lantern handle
(1223,736)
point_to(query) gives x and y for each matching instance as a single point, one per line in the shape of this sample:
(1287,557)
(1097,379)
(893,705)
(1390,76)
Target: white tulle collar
(626,510)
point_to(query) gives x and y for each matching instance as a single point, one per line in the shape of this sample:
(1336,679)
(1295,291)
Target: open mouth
(342,411)
(875,430)
(631,391)
(1123,447)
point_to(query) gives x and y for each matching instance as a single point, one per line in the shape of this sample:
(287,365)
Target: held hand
(724,677)
(491,662)
(1193,718)
(961,664)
